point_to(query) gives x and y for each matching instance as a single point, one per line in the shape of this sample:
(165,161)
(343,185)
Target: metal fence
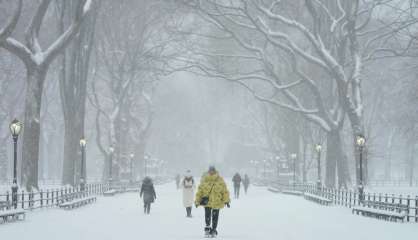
(50,197)
(350,198)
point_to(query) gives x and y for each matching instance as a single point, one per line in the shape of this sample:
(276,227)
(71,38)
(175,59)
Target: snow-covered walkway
(261,215)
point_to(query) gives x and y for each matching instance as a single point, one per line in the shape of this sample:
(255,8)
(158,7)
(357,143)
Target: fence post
(351,192)
(416,208)
(42,198)
(7,197)
(408,202)
(346,197)
(23,199)
(47,197)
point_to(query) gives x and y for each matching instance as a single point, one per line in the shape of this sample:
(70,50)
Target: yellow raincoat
(219,195)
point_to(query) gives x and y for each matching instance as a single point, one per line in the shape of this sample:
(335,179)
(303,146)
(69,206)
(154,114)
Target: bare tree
(310,63)
(37,61)
(7,30)
(73,86)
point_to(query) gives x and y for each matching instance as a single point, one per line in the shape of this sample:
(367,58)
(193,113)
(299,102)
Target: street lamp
(361,141)
(111,150)
(83,144)
(15,129)
(293,156)
(318,148)
(131,166)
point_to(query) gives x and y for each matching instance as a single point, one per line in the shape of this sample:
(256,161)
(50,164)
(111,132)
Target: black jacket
(148,191)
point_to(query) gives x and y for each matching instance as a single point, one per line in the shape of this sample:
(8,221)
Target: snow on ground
(261,215)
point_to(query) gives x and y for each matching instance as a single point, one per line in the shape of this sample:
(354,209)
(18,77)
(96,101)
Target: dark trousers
(189,211)
(211,214)
(236,190)
(147,208)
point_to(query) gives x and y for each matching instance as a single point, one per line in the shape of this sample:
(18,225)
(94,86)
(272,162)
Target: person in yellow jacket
(213,194)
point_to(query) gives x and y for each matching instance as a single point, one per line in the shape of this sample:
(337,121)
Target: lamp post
(361,141)
(15,129)
(131,167)
(111,150)
(83,144)
(278,167)
(293,156)
(318,148)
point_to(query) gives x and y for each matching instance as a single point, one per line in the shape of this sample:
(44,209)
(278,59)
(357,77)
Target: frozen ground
(260,215)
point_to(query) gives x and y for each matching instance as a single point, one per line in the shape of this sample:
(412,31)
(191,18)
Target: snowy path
(260,215)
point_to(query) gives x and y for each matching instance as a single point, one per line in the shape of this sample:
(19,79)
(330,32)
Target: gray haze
(182,85)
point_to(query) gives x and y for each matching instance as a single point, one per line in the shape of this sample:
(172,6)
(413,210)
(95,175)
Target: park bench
(133,189)
(316,198)
(110,193)
(4,205)
(13,215)
(292,192)
(76,203)
(273,189)
(382,210)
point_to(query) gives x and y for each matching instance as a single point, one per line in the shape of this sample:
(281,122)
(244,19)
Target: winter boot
(213,233)
(207,231)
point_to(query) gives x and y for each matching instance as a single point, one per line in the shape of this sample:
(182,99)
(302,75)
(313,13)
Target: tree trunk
(73,89)
(334,157)
(388,157)
(73,133)
(30,147)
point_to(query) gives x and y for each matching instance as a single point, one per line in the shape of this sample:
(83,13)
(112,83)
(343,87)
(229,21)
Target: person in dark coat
(147,194)
(237,184)
(246,183)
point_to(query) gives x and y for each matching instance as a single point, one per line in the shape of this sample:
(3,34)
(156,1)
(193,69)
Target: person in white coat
(188,185)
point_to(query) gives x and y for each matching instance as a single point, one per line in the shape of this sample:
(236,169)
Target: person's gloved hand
(228,205)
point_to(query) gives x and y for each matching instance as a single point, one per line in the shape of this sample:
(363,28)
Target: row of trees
(306,57)
(106,57)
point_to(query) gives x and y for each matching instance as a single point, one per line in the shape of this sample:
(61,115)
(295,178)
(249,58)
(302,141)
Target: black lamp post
(293,156)
(361,141)
(131,167)
(278,167)
(15,129)
(111,150)
(83,144)
(318,148)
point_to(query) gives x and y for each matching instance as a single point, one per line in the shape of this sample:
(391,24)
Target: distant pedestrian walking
(148,194)
(188,186)
(237,184)
(246,183)
(213,194)
(178,178)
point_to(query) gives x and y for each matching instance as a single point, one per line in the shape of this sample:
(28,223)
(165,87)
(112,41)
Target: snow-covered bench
(292,192)
(317,198)
(110,193)
(8,215)
(273,189)
(77,203)
(4,205)
(382,210)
